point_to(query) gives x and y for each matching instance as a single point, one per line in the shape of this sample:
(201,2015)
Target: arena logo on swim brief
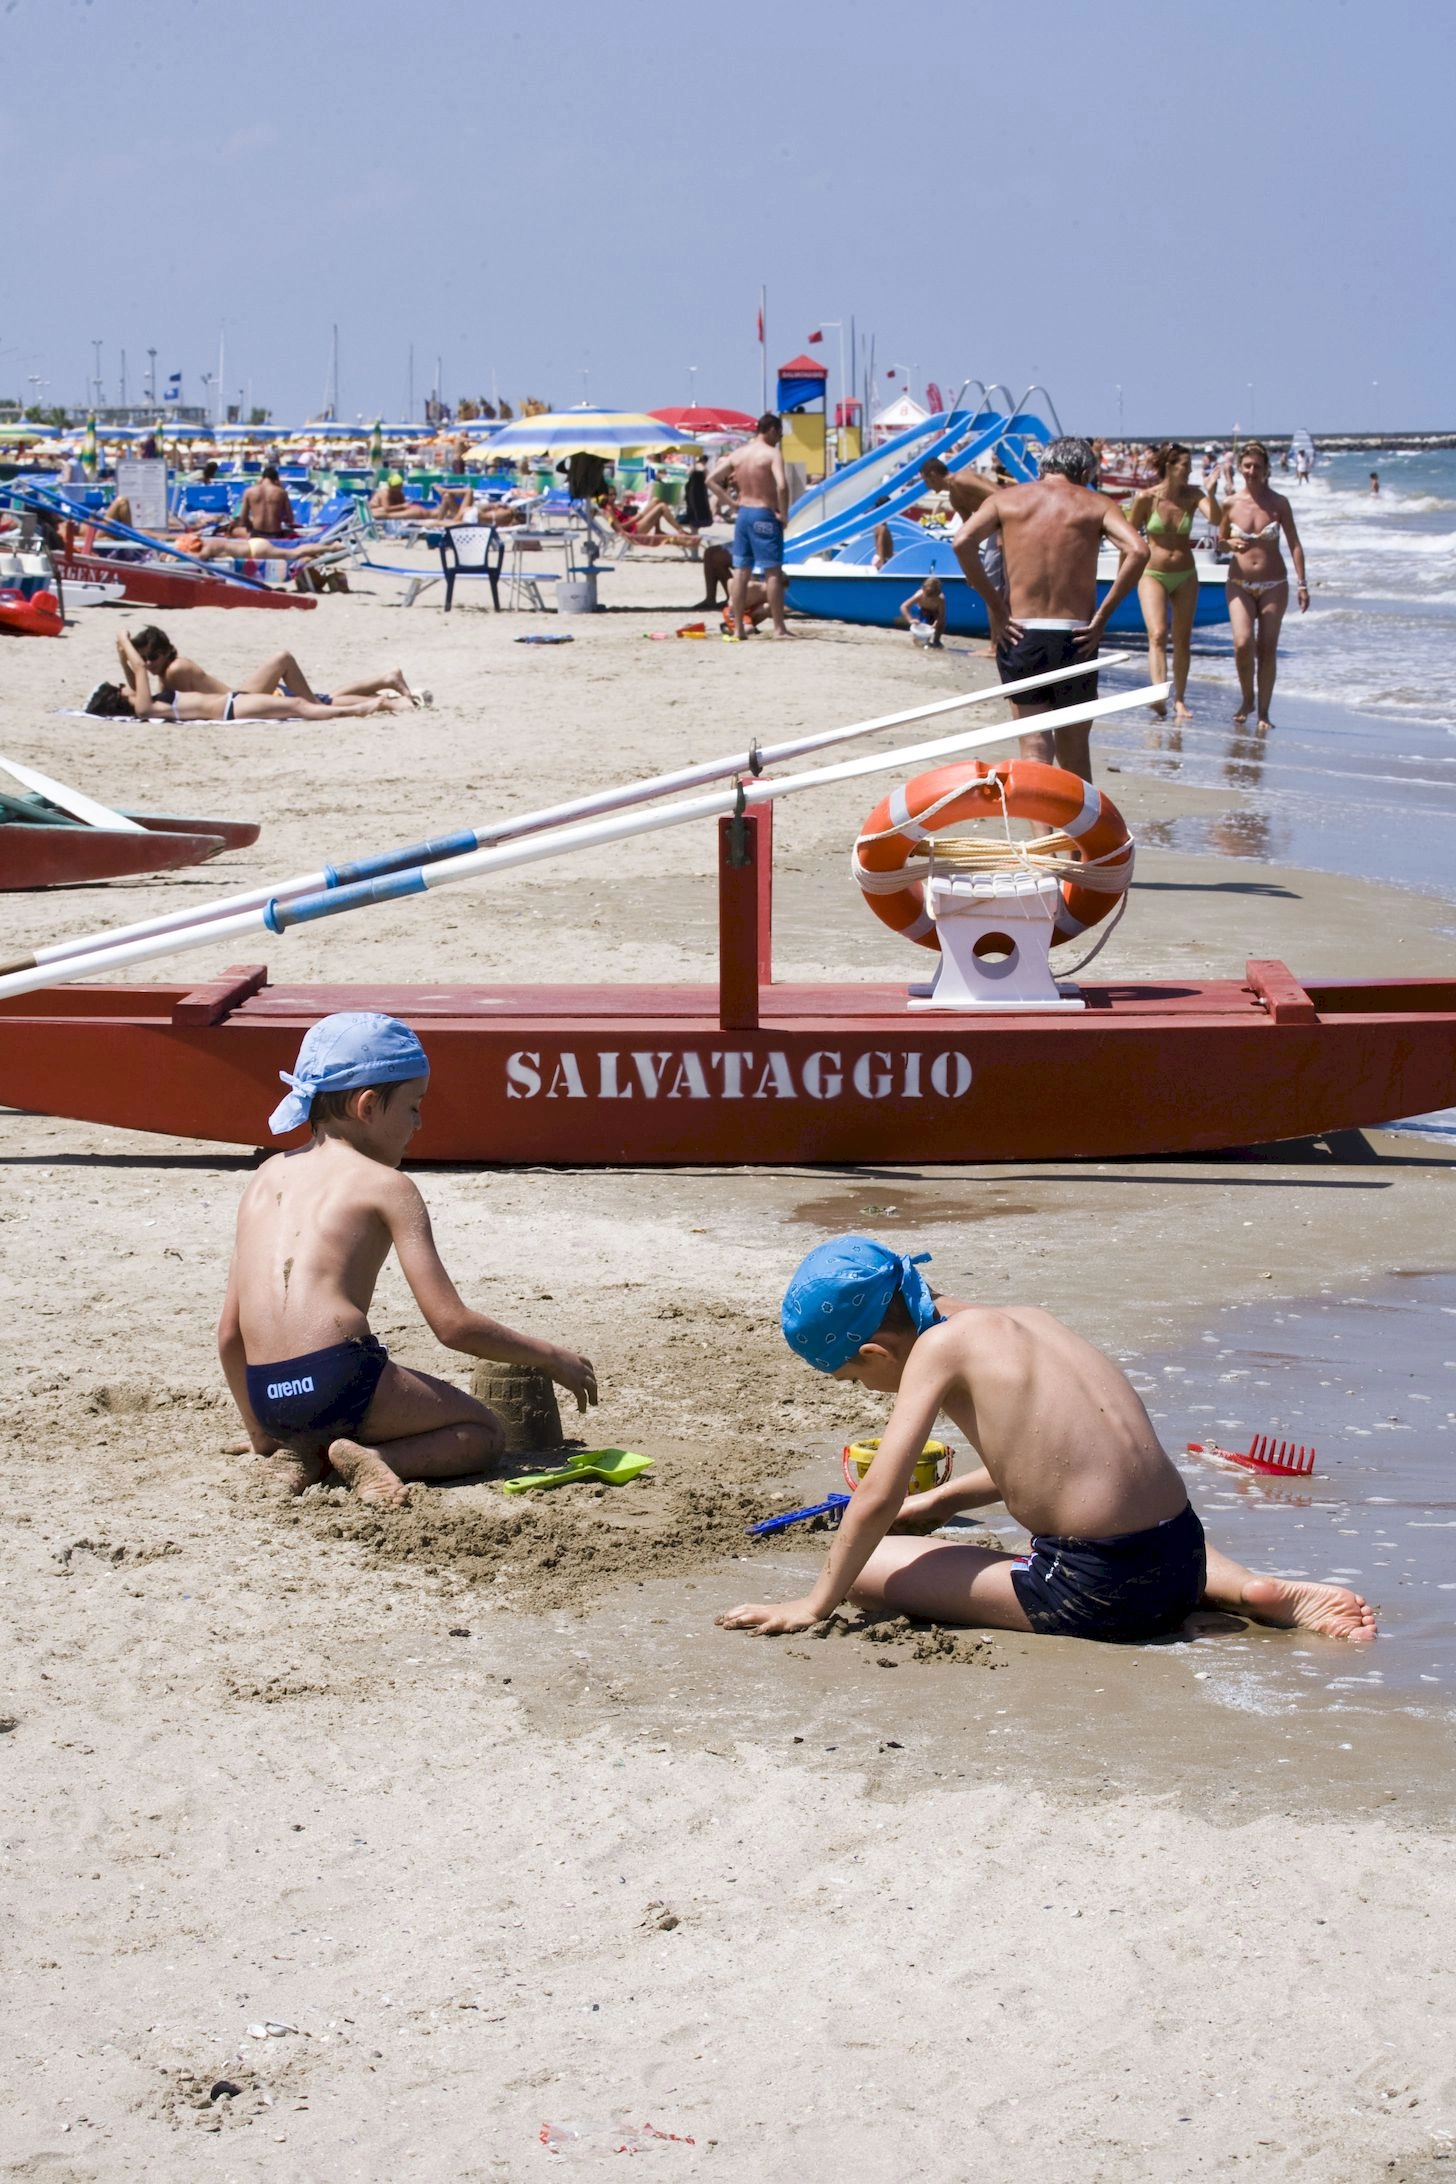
(736,1073)
(280,1388)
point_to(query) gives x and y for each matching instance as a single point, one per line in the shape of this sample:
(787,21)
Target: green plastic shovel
(613,1466)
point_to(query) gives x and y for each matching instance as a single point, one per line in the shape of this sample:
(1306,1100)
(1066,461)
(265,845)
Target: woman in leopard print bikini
(1258,582)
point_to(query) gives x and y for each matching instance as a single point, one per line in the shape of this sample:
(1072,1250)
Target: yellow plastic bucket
(932,1468)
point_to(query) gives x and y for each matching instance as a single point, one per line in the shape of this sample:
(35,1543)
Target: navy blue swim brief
(1136,1585)
(309,1401)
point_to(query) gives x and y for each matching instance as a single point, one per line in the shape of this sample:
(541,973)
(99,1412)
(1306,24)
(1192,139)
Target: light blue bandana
(342,1054)
(840,1294)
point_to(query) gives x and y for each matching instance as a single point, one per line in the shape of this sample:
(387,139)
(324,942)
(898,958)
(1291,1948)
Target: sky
(1176,217)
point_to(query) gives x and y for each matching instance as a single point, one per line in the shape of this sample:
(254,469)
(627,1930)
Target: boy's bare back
(314,1229)
(1061,1431)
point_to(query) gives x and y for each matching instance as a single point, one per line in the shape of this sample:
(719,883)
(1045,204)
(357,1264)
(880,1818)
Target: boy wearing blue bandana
(315,1227)
(1117,1551)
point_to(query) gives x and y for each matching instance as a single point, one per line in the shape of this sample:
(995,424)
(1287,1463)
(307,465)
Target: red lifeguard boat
(171,584)
(749,1072)
(53,852)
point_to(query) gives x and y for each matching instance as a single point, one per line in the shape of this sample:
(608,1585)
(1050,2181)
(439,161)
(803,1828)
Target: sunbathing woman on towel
(281,675)
(134,701)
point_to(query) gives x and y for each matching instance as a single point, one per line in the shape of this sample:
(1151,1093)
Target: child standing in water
(1065,1445)
(315,1387)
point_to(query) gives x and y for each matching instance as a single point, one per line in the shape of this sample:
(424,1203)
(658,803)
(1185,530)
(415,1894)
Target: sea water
(1358,774)
(1367,1378)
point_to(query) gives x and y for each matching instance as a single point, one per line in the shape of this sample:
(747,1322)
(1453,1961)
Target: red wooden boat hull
(59,856)
(169,584)
(597,1076)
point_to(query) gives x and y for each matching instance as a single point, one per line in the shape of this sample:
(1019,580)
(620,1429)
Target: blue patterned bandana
(343,1053)
(840,1294)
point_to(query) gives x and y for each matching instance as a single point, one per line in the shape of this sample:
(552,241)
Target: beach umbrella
(698,420)
(15,435)
(591,431)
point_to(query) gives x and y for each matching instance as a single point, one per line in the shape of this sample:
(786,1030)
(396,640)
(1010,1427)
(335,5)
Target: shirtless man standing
(1047,616)
(754,477)
(964,489)
(267,512)
(967,490)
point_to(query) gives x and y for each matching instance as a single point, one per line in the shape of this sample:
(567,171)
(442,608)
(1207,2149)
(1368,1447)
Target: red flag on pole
(760,325)
(934,401)
(818,336)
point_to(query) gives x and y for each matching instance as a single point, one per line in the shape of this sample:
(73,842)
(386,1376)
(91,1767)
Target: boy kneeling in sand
(1117,1550)
(315,1226)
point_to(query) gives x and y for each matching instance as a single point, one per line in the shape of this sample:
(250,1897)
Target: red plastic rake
(1263,1454)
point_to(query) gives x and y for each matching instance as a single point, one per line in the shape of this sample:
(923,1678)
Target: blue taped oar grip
(394,860)
(327,903)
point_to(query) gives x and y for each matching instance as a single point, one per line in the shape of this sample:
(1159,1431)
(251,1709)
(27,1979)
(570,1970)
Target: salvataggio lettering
(736,1073)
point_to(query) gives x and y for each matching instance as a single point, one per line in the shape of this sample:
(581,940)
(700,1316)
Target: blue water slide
(862,479)
(957,438)
(1026,430)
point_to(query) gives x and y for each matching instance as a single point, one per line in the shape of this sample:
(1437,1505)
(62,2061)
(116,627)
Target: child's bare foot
(365,1473)
(1180,710)
(1331,1610)
(1158,709)
(286,1473)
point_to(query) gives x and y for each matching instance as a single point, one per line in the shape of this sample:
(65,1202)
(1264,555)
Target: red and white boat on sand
(749,1072)
(169,584)
(56,836)
(45,853)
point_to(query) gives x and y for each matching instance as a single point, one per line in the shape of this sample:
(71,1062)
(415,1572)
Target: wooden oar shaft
(535,822)
(276,916)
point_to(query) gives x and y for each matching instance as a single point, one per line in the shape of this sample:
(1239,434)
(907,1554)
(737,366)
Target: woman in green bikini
(1169,585)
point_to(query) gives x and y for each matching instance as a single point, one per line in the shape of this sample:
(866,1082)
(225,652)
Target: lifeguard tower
(800,400)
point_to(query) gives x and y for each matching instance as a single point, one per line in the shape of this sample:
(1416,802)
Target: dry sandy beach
(461,1842)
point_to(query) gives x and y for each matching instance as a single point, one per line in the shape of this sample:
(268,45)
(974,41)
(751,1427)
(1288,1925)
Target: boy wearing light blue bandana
(1117,1551)
(316,1224)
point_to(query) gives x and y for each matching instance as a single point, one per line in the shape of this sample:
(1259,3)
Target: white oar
(532,822)
(276,916)
(72,800)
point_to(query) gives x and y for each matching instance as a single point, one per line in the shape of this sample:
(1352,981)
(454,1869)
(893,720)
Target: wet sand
(431,1790)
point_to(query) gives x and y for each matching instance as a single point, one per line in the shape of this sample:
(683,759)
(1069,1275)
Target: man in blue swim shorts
(1117,1551)
(314,1386)
(754,481)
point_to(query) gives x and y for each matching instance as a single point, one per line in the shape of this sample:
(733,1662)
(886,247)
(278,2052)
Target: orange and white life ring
(1017,788)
